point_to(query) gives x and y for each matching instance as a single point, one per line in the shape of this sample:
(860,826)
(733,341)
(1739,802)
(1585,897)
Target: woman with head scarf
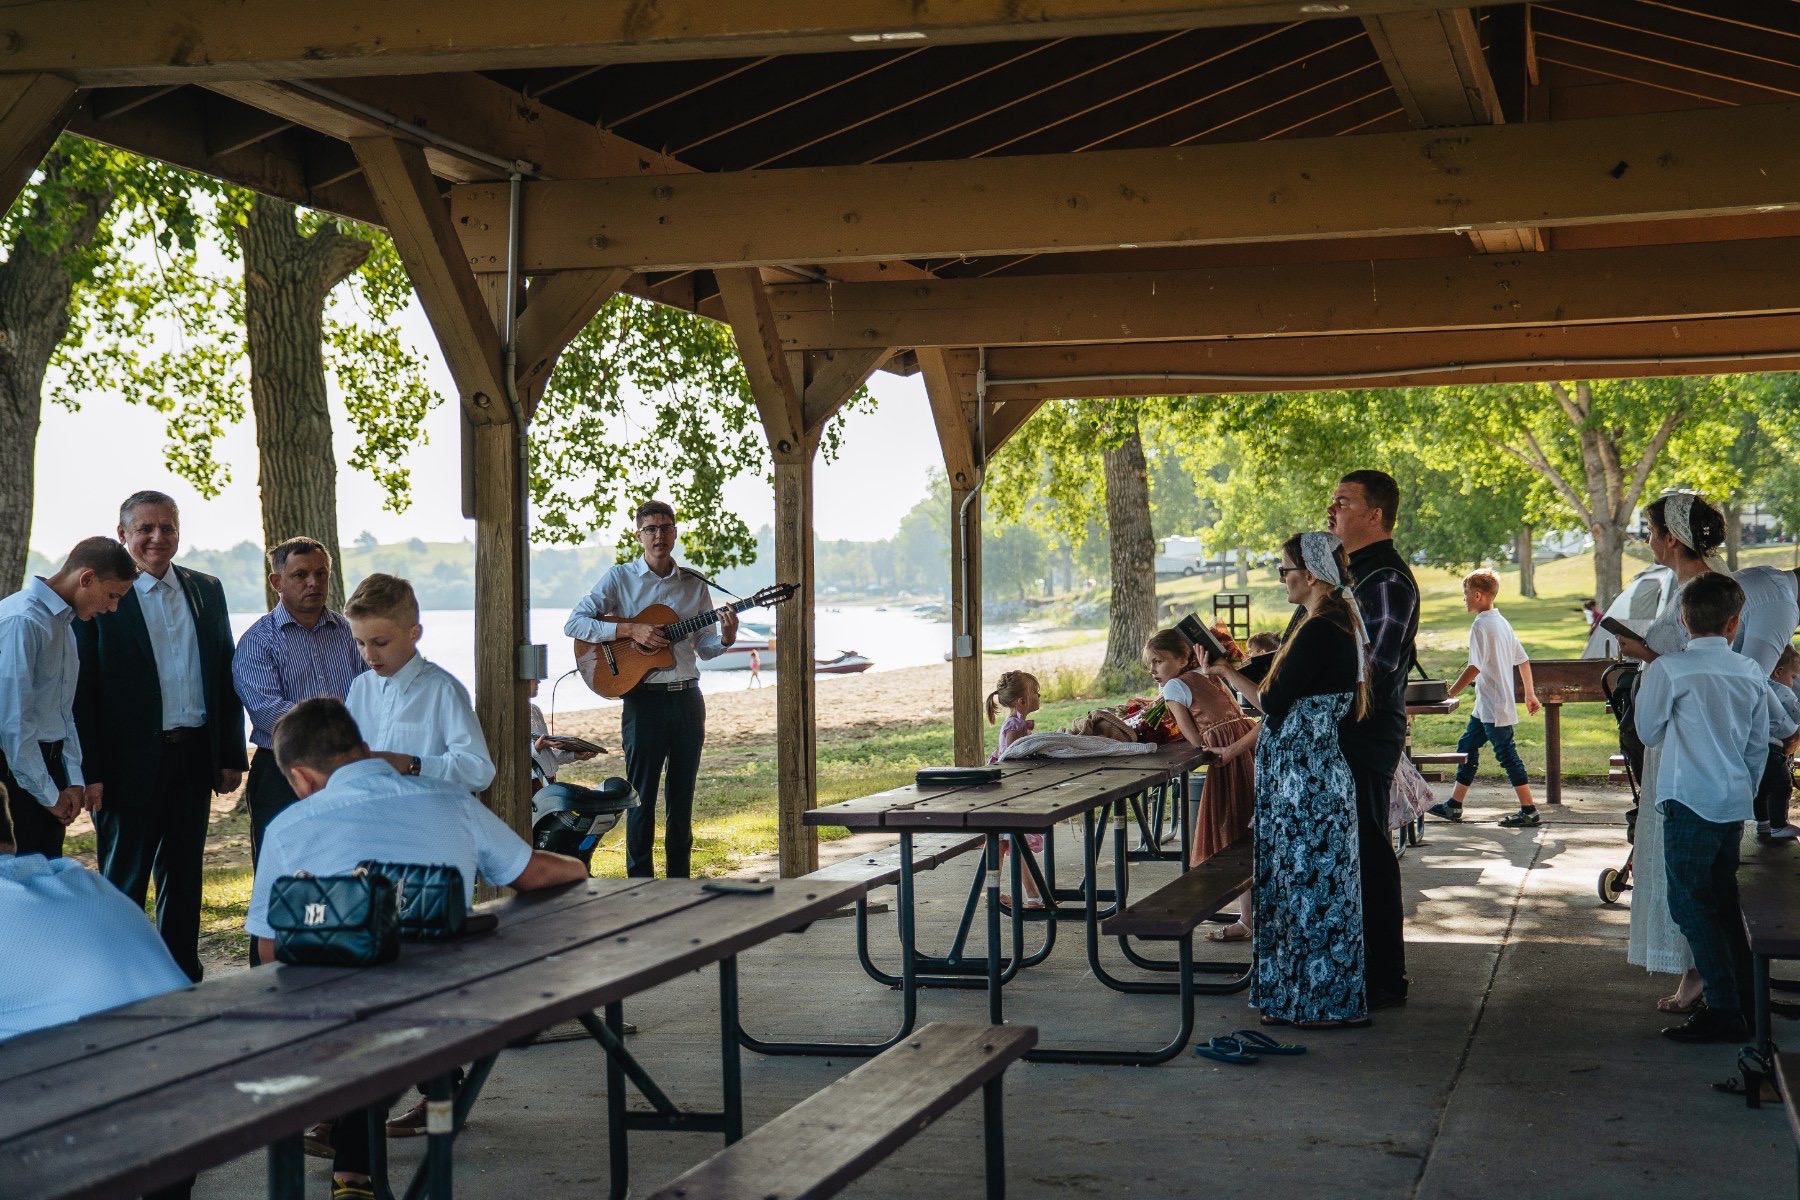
(1307,891)
(1685,531)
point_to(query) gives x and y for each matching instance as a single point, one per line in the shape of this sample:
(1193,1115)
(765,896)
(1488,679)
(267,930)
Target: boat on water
(737,655)
(848,662)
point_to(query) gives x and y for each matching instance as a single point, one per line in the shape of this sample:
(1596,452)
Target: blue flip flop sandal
(1226,1050)
(1253,1042)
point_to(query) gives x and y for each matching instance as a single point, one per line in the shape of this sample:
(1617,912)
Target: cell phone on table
(1620,629)
(739,887)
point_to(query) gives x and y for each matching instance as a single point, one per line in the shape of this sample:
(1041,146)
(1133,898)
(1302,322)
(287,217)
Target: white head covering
(1678,518)
(1318,554)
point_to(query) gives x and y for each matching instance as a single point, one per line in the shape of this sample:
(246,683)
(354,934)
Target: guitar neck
(681,629)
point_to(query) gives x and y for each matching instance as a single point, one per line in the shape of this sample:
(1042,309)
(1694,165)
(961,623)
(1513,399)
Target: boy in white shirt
(1494,651)
(412,712)
(1777,788)
(1708,707)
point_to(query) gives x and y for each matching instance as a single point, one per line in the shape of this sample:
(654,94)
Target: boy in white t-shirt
(1494,651)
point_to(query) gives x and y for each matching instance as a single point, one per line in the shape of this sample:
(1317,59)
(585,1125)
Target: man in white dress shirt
(40,752)
(664,723)
(161,726)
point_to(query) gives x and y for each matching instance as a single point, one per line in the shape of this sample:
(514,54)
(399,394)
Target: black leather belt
(174,737)
(678,685)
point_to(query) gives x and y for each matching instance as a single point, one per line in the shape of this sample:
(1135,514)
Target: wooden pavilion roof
(976,114)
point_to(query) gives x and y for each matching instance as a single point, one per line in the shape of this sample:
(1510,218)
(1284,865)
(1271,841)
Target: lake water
(893,638)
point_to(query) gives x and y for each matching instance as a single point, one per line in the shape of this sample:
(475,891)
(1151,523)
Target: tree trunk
(1527,565)
(1609,561)
(1734,534)
(1243,568)
(1133,616)
(287,276)
(34,317)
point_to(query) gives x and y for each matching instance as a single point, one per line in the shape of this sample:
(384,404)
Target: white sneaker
(1784,833)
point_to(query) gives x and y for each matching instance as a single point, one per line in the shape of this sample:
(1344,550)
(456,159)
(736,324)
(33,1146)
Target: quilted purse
(335,920)
(431,898)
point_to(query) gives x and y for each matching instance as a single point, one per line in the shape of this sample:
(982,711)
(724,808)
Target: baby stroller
(1618,683)
(571,820)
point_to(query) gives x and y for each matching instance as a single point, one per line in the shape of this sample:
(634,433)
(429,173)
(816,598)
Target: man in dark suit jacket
(160,723)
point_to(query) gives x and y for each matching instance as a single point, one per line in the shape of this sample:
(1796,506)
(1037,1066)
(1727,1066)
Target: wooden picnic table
(138,1097)
(1030,801)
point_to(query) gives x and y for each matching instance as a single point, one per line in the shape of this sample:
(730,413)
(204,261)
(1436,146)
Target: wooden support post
(949,385)
(33,111)
(795,397)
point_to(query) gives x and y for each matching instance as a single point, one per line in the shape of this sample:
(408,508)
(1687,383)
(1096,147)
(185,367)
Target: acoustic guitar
(615,667)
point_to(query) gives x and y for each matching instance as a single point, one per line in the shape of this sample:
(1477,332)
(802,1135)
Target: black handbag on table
(335,920)
(432,901)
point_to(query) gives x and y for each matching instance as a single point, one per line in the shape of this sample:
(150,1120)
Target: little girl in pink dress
(1017,692)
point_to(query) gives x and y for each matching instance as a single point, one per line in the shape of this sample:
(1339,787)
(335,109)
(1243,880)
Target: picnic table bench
(823,1143)
(251,1059)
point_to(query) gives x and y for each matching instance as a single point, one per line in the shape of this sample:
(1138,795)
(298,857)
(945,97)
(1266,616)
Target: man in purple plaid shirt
(299,650)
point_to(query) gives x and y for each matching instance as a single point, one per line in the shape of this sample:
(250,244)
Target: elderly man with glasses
(664,723)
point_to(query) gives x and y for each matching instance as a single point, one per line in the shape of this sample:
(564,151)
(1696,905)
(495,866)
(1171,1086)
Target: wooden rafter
(33,111)
(1702,163)
(420,227)
(142,42)
(1440,73)
(557,307)
(772,380)
(1691,281)
(1637,349)
(835,380)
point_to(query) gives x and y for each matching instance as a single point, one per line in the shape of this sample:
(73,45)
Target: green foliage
(645,402)
(153,320)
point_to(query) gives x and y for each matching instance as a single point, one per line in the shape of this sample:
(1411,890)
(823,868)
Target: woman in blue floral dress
(1307,890)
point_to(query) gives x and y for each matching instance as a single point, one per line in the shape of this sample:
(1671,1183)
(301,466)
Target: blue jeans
(1701,859)
(1500,737)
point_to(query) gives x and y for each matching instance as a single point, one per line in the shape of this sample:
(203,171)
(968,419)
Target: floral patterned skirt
(1308,885)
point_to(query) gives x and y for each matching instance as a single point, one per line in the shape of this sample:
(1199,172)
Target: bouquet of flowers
(1152,720)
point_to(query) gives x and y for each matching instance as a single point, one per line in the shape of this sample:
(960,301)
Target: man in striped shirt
(299,650)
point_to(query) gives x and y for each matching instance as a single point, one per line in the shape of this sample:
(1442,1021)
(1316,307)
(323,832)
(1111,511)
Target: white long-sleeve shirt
(38,669)
(422,710)
(1708,708)
(626,590)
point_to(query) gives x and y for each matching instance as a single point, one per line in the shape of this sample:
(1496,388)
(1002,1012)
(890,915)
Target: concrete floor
(1526,1065)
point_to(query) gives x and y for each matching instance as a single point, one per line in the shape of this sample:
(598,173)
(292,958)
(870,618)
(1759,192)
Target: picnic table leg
(994,980)
(994,1132)
(287,1169)
(1765,1022)
(440,1134)
(1552,754)
(731,1067)
(618,1152)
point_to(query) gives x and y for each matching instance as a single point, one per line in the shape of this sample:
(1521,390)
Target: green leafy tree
(66,268)
(651,401)
(1049,475)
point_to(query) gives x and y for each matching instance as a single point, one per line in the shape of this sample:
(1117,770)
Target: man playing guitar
(665,717)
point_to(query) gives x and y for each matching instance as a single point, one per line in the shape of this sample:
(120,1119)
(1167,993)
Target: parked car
(1637,606)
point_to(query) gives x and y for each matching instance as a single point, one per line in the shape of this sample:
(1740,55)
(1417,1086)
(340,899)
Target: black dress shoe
(1382,998)
(1705,1025)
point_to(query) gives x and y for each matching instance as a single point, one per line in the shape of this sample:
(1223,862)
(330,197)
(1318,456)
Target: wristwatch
(413,767)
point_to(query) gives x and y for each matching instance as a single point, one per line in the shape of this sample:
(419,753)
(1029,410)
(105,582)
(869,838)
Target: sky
(88,461)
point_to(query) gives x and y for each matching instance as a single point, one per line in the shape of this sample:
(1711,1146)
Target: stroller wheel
(1610,888)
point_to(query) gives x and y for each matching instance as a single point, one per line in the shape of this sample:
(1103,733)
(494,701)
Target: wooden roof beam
(1680,164)
(1438,69)
(1646,349)
(419,224)
(1700,280)
(33,111)
(143,42)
